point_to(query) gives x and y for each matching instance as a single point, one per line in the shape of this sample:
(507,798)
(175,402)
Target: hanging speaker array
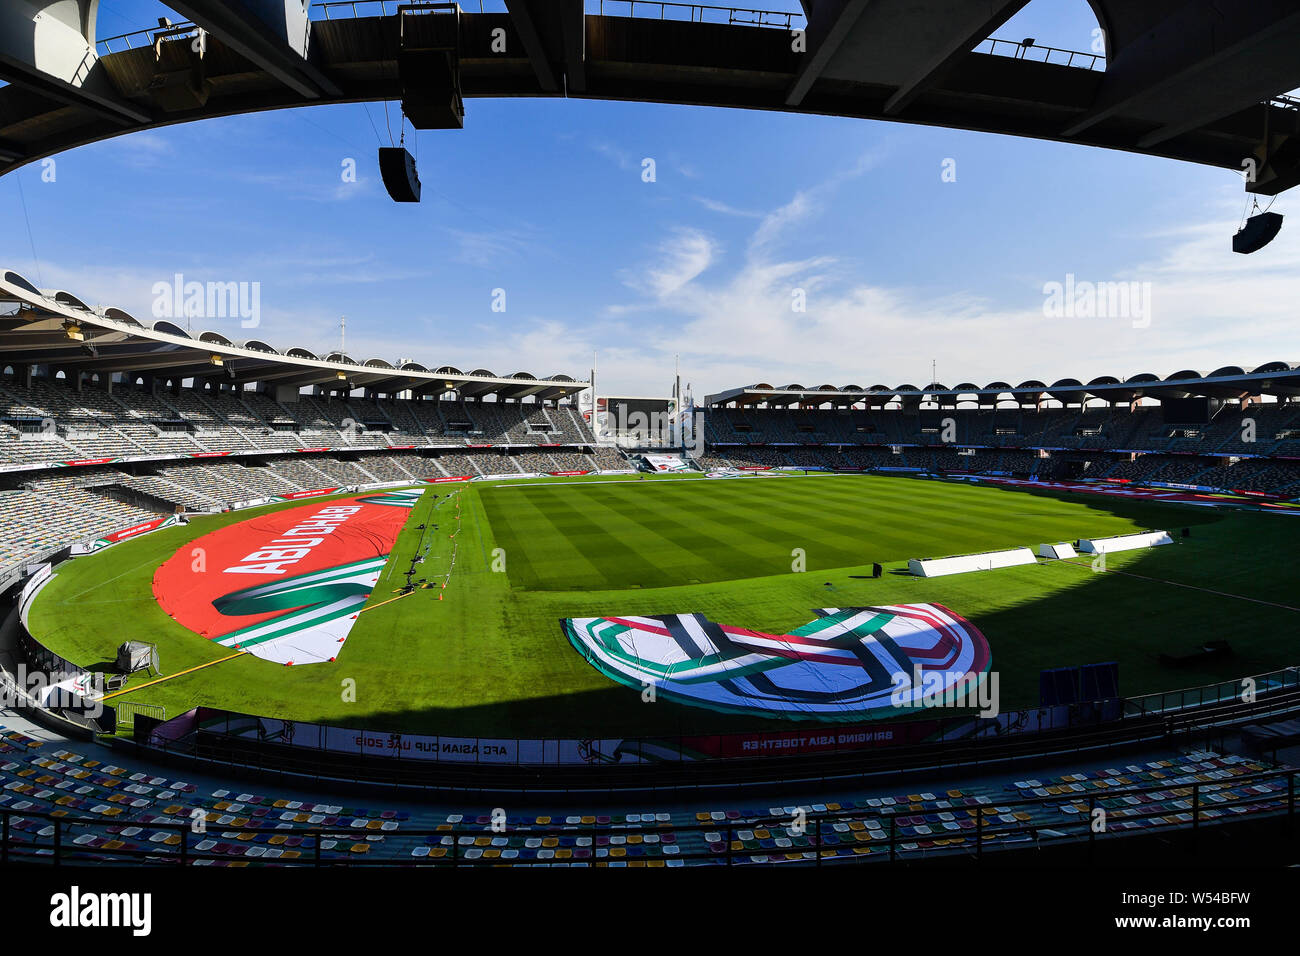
(397,167)
(1258,232)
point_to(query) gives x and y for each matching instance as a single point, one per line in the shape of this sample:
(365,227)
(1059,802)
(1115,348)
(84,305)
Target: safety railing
(126,714)
(990,824)
(647,9)
(1241,689)
(353,9)
(1029,50)
(144,37)
(699,13)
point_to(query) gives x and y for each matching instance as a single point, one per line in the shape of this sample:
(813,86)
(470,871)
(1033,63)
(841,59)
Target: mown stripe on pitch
(699,556)
(560,519)
(614,546)
(530,522)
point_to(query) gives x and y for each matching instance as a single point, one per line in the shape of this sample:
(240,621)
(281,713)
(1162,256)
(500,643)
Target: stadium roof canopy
(55,328)
(1185,79)
(1280,379)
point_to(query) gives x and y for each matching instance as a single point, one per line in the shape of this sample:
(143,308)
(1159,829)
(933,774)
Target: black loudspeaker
(1258,232)
(1060,685)
(877,570)
(1099,681)
(397,167)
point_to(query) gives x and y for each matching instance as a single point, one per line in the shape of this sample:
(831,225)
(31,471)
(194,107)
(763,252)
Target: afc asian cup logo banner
(848,664)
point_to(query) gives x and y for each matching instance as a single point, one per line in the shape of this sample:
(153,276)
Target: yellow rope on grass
(159,680)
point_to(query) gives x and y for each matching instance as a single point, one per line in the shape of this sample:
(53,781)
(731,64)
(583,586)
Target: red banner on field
(314,545)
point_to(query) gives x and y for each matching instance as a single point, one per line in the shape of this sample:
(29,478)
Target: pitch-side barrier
(1125,542)
(960,564)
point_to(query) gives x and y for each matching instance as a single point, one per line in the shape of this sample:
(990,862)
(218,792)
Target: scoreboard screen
(1186,411)
(649,418)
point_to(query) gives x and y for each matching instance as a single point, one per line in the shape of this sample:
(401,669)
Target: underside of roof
(59,331)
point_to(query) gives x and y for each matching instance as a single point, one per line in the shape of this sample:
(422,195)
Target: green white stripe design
(319,607)
(405,498)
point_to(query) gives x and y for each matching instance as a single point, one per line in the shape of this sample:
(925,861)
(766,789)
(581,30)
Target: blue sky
(545,199)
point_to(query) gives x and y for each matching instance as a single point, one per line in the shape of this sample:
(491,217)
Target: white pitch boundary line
(96,587)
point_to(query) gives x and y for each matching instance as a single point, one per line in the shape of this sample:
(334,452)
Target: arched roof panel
(170,328)
(13,278)
(69,300)
(118,315)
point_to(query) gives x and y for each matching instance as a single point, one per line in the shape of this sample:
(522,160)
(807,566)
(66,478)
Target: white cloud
(619,156)
(1209,308)
(730,317)
(491,247)
(684,256)
(142,150)
(714,205)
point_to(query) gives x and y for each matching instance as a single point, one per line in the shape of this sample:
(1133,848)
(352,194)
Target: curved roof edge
(116,332)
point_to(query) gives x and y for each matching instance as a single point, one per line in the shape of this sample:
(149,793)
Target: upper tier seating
(43,510)
(51,421)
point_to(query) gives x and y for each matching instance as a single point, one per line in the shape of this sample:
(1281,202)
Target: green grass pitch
(490,658)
